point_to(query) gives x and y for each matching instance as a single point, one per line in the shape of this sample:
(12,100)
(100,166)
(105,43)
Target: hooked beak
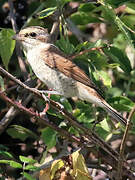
(15,37)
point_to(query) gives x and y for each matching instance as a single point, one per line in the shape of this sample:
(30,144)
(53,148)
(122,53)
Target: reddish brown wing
(56,59)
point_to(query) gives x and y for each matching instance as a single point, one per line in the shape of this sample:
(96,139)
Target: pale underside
(67,80)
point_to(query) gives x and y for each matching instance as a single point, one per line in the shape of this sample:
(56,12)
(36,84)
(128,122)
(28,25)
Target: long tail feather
(117,116)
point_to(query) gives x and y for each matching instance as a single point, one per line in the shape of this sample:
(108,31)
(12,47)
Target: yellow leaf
(80,170)
(56,165)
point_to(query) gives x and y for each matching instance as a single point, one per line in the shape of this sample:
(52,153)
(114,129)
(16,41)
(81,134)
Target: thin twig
(123,144)
(18,50)
(131,113)
(12,17)
(6,120)
(54,31)
(76,31)
(86,51)
(25,110)
(12,112)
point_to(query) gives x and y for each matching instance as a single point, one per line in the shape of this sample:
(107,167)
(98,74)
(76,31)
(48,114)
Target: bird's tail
(117,116)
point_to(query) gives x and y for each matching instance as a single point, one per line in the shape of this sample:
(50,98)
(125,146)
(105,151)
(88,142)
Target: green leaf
(27,160)
(11,163)
(133,73)
(130,7)
(110,16)
(31,168)
(66,104)
(72,130)
(83,45)
(89,45)
(86,7)
(105,78)
(116,3)
(7,45)
(65,45)
(121,103)
(2,83)
(113,65)
(83,18)
(28,176)
(120,57)
(84,112)
(115,91)
(98,60)
(5,161)
(125,30)
(102,132)
(119,42)
(49,137)
(6,154)
(16,131)
(47,12)
(129,20)
(15,164)
(63,101)
(105,125)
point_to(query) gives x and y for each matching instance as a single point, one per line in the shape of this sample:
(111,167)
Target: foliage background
(107,26)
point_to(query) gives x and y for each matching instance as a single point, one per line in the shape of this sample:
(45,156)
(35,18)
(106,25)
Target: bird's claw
(48,92)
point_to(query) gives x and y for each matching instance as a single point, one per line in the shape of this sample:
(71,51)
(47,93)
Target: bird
(58,72)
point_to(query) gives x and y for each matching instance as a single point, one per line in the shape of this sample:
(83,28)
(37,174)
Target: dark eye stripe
(26,35)
(33,34)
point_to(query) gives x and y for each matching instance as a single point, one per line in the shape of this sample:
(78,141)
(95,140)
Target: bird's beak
(17,37)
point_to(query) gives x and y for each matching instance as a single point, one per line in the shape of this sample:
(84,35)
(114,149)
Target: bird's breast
(53,78)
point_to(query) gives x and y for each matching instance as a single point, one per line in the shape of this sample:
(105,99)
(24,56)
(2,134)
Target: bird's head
(33,36)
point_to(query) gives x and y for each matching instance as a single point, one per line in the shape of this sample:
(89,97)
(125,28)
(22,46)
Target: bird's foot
(48,92)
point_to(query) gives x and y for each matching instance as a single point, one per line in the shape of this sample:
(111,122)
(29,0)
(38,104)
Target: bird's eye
(32,34)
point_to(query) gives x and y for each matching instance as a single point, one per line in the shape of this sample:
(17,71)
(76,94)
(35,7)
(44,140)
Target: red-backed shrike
(57,71)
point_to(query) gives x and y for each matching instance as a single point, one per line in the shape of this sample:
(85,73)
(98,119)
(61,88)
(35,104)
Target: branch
(95,139)
(76,31)
(12,112)
(12,16)
(27,111)
(88,136)
(123,143)
(131,114)
(8,118)
(86,51)
(18,50)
